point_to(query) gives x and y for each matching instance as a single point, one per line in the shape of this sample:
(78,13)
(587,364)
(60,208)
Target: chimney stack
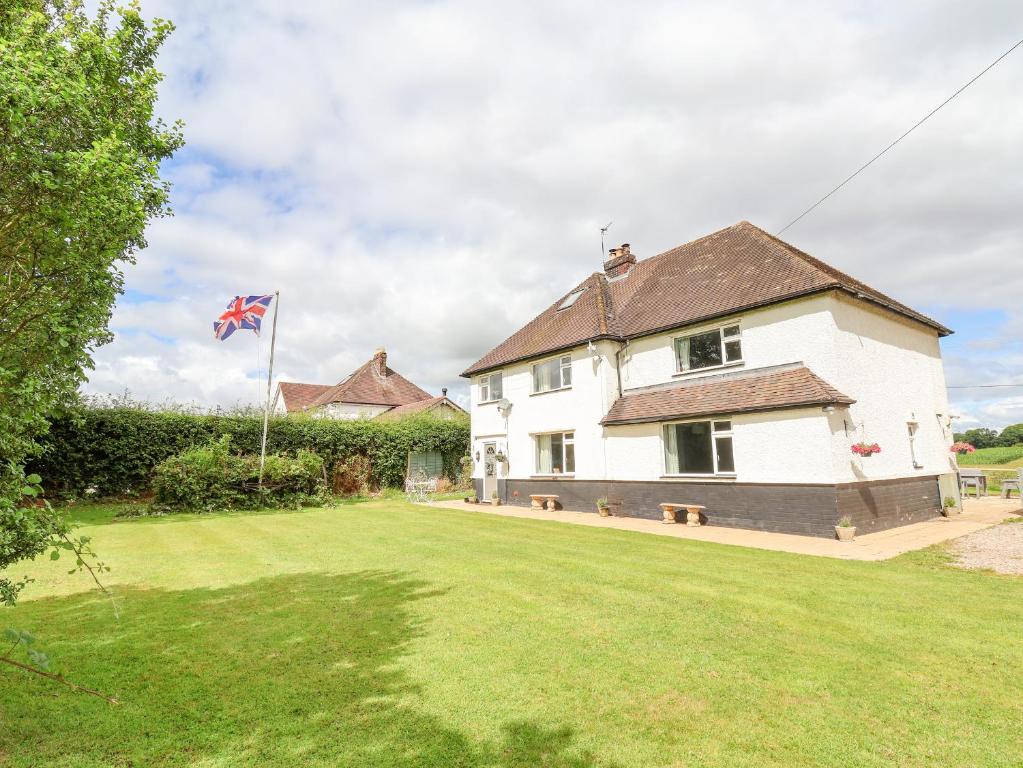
(380,358)
(620,261)
(443,391)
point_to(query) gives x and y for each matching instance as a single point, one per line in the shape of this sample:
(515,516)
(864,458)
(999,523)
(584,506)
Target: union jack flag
(245,312)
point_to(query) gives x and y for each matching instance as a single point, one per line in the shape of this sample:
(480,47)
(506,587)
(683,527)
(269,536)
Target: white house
(735,372)
(371,391)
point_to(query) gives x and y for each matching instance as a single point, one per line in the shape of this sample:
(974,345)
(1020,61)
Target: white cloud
(429,176)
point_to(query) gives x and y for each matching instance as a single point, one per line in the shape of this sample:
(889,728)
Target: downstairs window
(555,453)
(699,448)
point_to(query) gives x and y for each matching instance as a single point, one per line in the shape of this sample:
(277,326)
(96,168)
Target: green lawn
(381,634)
(1003,457)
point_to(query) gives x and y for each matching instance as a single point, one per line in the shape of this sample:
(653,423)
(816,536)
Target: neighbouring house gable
(731,271)
(373,383)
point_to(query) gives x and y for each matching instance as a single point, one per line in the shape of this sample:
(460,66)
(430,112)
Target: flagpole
(269,381)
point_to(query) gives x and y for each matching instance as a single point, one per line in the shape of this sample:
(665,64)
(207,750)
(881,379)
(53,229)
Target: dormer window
(571,299)
(709,349)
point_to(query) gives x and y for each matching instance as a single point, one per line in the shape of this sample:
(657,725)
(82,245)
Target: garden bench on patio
(972,478)
(692,513)
(1013,484)
(543,501)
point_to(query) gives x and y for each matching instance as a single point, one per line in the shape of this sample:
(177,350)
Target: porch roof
(763,389)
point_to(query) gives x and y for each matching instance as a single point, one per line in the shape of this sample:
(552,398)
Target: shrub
(212,477)
(352,477)
(114,449)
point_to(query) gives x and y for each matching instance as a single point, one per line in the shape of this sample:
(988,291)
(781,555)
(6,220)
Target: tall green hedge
(114,450)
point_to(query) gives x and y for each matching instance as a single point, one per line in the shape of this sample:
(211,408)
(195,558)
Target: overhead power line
(920,122)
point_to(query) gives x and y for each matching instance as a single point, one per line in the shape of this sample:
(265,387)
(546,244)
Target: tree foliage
(80,149)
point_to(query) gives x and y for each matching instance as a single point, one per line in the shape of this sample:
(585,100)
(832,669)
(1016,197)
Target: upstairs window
(552,374)
(709,349)
(555,453)
(490,388)
(699,448)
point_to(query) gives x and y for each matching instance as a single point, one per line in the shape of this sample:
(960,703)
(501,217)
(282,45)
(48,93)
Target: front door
(489,470)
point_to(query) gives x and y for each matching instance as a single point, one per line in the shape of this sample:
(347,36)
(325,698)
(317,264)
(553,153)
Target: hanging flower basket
(501,457)
(962,448)
(866,449)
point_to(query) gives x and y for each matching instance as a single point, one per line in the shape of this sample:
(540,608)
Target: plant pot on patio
(603,508)
(845,530)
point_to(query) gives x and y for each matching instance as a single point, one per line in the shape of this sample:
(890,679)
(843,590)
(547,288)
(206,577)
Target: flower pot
(845,533)
(604,511)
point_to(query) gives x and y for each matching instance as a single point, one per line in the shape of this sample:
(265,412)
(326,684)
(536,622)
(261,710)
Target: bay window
(709,349)
(699,448)
(490,388)
(555,453)
(552,374)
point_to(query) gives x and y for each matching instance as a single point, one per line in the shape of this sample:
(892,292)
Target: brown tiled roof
(764,389)
(299,396)
(732,270)
(367,386)
(417,407)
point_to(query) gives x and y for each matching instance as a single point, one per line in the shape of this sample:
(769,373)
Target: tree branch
(59,679)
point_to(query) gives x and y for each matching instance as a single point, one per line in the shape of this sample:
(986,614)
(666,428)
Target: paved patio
(977,515)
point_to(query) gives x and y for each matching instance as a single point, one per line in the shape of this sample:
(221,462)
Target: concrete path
(978,514)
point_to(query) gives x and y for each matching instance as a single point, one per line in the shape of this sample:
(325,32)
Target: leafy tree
(980,437)
(80,150)
(1011,435)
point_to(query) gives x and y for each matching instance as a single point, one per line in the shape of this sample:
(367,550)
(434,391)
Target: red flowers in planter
(962,448)
(866,449)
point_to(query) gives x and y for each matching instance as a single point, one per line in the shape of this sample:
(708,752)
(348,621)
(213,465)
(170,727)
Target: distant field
(985,457)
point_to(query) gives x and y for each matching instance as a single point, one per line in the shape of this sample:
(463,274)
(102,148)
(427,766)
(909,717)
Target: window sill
(550,391)
(552,476)
(488,402)
(733,364)
(722,476)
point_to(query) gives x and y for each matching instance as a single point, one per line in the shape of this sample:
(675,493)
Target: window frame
(562,365)
(724,340)
(488,377)
(715,433)
(567,439)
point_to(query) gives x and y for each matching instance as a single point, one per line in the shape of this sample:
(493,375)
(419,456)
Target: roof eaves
(722,411)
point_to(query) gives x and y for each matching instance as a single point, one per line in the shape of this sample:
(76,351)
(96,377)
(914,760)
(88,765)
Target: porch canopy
(763,389)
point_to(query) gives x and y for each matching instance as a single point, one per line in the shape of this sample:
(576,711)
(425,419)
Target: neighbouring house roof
(373,383)
(297,396)
(422,406)
(735,269)
(763,389)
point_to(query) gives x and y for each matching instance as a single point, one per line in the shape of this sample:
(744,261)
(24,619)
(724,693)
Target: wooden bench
(543,500)
(692,513)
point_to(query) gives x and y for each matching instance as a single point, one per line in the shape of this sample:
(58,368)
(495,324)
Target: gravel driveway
(999,549)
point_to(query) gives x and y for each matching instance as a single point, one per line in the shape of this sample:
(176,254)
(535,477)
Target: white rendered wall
(578,409)
(777,447)
(890,366)
(350,411)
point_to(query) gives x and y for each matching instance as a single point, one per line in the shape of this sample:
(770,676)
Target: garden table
(979,478)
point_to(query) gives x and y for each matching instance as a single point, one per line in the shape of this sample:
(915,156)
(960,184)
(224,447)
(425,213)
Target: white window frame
(913,429)
(567,439)
(485,381)
(725,363)
(715,433)
(565,363)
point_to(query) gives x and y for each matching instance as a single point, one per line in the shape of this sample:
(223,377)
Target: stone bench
(543,500)
(692,512)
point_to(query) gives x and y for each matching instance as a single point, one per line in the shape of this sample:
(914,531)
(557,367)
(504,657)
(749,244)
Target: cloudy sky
(427,176)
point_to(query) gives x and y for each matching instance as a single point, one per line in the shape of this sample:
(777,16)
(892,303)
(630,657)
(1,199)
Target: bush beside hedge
(212,477)
(115,450)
